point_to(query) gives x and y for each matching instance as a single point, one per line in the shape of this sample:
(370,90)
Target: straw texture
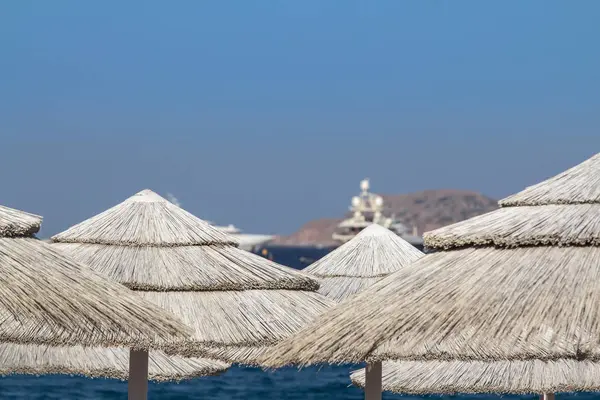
(518,377)
(230,297)
(372,254)
(99,363)
(577,185)
(187,268)
(144,219)
(550,225)
(479,290)
(242,318)
(375,251)
(341,288)
(18,223)
(47,298)
(473,303)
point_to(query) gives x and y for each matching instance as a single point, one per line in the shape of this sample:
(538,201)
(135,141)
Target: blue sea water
(315,383)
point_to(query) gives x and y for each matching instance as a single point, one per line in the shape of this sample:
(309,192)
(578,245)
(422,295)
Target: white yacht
(248,241)
(367,209)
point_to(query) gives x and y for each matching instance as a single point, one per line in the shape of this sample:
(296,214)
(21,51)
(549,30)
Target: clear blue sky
(266,114)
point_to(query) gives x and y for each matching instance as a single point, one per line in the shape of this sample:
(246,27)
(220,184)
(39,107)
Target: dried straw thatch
(548,225)
(15,223)
(186,268)
(232,298)
(99,363)
(372,254)
(577,185)
(451,377)
(144,219)
(47,298)
(486,303)
(341,288)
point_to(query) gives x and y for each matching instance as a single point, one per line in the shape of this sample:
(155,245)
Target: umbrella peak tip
(375,230)
(148,196)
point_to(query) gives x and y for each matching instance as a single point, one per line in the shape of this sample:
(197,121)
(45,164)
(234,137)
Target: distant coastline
(426,210)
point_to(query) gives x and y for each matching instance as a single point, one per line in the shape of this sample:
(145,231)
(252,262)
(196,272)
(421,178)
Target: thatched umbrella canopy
(521,282)
(95,362)
(371,255)
(517,377)
(357,264)
(237,302)
(47,298)
(52,303)
(505,376)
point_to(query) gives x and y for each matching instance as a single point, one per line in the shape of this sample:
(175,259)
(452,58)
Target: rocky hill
(427,210)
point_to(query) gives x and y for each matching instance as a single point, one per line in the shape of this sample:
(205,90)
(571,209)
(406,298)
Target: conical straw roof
(448,377)
(47,298)
(15,223)
(505,376)
(144,219)
(372,254)
(94,362)
(232,298)
(577,185)
(519,377)
(471,301)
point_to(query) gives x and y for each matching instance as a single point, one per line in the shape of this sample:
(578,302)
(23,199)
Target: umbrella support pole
(137,386)
(373,378)
(547,396)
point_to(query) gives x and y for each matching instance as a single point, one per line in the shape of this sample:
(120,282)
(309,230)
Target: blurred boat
(367,208)
(248,241)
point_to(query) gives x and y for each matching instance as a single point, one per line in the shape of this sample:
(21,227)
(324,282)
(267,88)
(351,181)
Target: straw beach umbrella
(368,257)
(237,302)
(519,283)
(94,362)
(55,354)
(506,376)
(516,377)
(357,264)
(48,299)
